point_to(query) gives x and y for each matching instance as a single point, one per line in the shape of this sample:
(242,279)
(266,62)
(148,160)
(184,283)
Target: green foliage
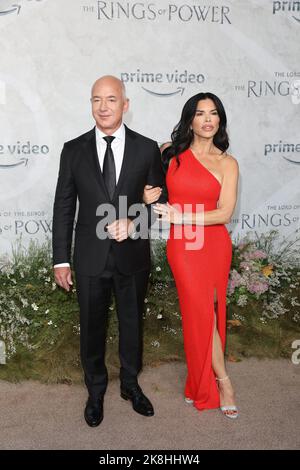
(39,322)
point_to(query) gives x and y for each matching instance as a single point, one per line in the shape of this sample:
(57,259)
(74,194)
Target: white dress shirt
(118,146)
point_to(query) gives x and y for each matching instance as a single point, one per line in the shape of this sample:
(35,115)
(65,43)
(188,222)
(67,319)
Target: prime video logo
(14,155)
(286,150)
(9,6)
(163,84)
(287,6)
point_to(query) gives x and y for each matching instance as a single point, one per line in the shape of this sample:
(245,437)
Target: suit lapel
(94,160)
(128,159)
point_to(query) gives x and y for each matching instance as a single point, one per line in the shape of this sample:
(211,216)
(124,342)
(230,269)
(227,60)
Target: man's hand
(63,277)
(151,194)
(120,229)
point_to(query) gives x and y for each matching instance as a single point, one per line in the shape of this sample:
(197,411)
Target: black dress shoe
(140,402)
(93,412)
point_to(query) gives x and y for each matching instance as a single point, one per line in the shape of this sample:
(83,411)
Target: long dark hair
(182,135)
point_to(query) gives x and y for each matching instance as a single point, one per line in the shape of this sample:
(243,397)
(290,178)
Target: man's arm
(63,220)
(136,227)
(156,177)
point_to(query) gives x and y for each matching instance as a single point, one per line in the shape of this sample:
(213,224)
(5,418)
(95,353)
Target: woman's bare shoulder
(229,161)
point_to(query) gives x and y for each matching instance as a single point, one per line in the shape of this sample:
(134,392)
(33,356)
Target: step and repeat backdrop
(245,51)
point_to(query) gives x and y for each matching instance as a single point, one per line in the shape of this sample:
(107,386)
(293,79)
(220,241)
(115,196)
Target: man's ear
(126,105)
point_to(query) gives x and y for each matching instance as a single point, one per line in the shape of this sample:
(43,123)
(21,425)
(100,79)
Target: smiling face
(206,120)
(109,103)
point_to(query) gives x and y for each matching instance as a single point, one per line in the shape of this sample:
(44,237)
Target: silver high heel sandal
(227,408)
(188,400)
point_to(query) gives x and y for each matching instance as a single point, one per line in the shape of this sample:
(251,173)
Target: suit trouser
(94,296)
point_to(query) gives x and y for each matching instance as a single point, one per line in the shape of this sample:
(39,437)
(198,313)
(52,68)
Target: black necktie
(109,167)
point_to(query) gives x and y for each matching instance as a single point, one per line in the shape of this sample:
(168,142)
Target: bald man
(105,170)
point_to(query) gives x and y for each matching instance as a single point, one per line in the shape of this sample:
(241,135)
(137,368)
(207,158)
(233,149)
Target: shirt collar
(119,134)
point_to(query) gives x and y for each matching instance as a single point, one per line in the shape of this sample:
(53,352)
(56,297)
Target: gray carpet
(37,416)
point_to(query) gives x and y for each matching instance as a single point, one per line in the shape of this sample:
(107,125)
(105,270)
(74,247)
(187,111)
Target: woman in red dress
(202,184)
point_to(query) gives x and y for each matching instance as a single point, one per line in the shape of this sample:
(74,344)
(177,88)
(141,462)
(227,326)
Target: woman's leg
(218,364)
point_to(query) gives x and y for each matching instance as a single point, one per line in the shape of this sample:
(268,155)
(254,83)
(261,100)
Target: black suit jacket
(80,177)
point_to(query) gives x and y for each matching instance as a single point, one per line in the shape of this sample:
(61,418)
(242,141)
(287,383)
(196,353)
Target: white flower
(294,302)
(159,316)
(170,330)
(50,322)
(158,269)
(46,311)
(155,344)
(34,307)
(24,302)
(242,300)
(146,301)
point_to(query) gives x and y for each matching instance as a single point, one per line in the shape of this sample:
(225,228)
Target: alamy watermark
(296,354)
(144,217)
(2,353)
